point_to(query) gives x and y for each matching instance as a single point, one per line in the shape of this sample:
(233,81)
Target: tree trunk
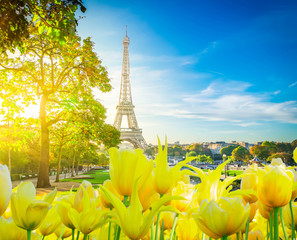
(77,166)
(73,161)
(43,174)
(59,163)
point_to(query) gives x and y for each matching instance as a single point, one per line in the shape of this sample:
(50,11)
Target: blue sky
(202,70)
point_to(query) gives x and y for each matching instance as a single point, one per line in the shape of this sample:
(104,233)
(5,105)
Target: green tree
(284,147)
(195,147)
(262,152)
(150,151)
(294,144)
(204,158)
(54,18)
(56,73)
(192,154)
(228,150)
(103,160)
(241,154)
(286,157)
(271,146)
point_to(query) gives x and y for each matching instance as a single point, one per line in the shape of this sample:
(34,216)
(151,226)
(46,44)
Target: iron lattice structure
(133,133)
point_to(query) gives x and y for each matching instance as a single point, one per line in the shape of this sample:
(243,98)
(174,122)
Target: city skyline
(201,71)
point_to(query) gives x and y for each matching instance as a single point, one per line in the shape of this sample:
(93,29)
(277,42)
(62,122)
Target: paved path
(61,186)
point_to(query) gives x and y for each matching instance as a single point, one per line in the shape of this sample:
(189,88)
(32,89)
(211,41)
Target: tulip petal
(35,214)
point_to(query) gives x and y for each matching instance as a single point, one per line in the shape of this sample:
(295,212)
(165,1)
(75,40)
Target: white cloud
(231,102)
(293,84)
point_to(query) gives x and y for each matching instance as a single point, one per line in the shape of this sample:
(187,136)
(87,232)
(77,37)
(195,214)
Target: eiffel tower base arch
(133,136)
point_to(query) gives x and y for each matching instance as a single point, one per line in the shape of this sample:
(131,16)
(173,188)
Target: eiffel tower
(132,134)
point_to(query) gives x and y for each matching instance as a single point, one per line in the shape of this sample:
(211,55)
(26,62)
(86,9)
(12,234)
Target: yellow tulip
(108,184)
(6,188)
(102,232)
(295,155)
(294,192)
(275,186)
(168,218)
(125,167)
(50,197)
(66,231)
(90,218)
(82,195)
(64,204)
(187,228)
(10,231)
(27,212)
(264,210)
(222,218)
(287,215)
(165,177)
(250,182)
(147,194)
(255,235)
(50,223)
(186,191)
(134,223)
(254,208)
(89,188)
(211,186)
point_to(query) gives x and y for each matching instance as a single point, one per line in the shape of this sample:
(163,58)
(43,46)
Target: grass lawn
(98,177)
(233,172)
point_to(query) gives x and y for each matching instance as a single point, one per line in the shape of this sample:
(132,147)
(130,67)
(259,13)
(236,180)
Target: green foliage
(150,151)
(294,144)
(284,147)
(192,154)
(241,154)
(204,158)
(176,151)
(286,157)
(271,146)
(262,152)
(103,160)
(56,18)
(228,150)
(199,149)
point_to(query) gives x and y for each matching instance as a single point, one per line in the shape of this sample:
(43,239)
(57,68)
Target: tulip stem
(267,230)
(77,235)
(109,229)
(85,236)
(247,226)
(43,237)
(152,231)
(173,227)
(60,237)
(271,225)
(125,201)
(73,231)
(224,238)
(28,234)
(292,221)
(275,212)
(157,223)
(157,226)
(237,236)
(282,222)
(162,231)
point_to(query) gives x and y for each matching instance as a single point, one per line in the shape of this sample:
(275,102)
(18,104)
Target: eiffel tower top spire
(125,95)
